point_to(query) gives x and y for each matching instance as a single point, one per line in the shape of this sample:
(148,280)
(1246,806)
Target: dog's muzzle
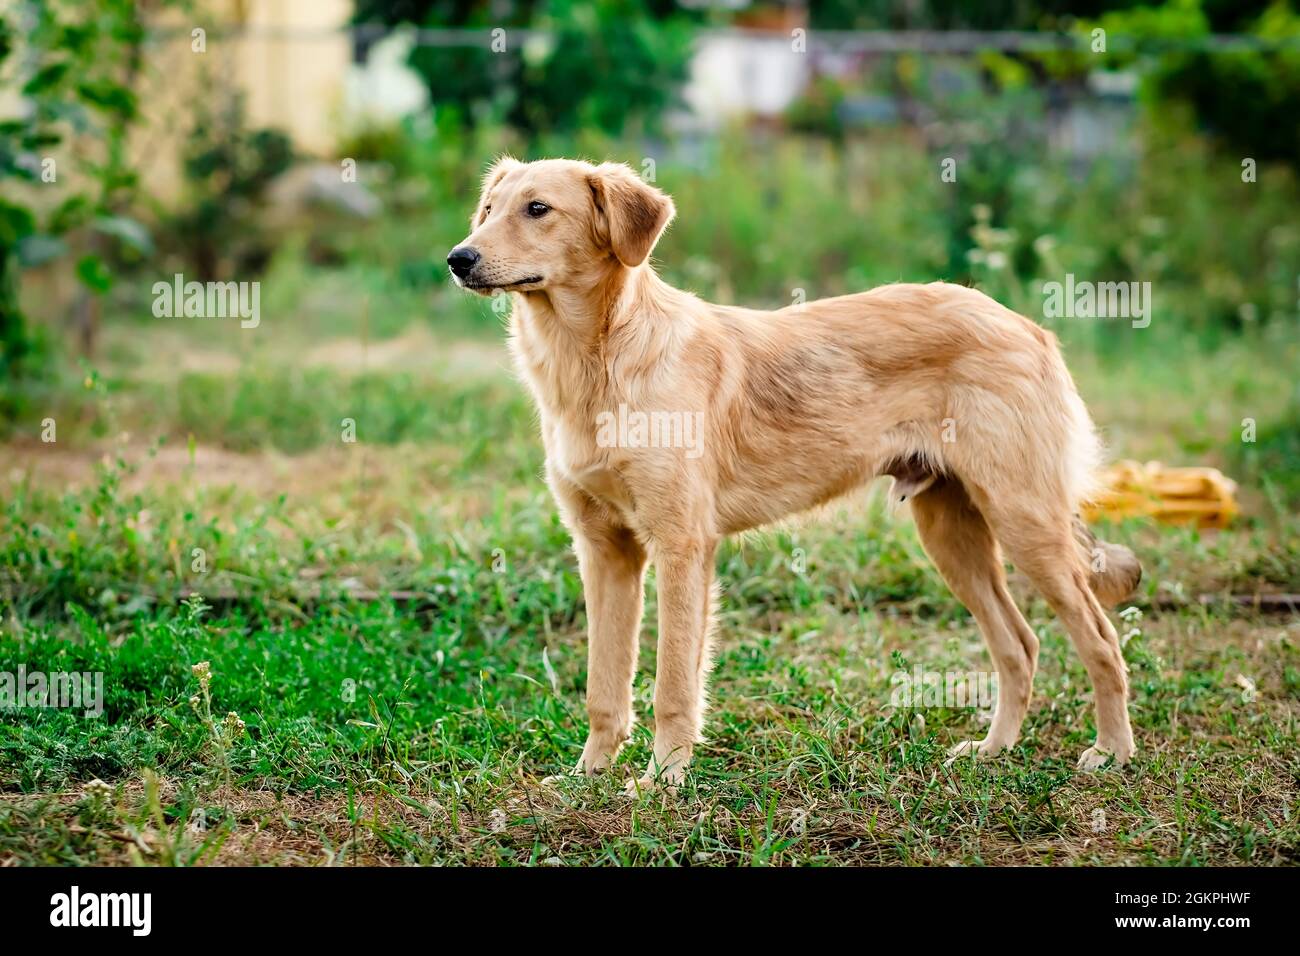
(462,261)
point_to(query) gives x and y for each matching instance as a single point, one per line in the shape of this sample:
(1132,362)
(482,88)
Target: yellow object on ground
(1171,495)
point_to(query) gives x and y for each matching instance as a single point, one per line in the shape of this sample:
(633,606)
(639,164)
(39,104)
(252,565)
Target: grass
(202,504)
(438,755)
(419,731)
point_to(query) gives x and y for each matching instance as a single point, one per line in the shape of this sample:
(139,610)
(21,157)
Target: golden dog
(967,405)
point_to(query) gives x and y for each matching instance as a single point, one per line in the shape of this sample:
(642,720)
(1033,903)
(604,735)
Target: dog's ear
(630,214)
(496,172)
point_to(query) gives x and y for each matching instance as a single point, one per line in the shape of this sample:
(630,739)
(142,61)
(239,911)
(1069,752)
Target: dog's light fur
(968,405)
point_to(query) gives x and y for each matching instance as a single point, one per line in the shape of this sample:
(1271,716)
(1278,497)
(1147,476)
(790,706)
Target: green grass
(195,458)
(420,730)
(439,756)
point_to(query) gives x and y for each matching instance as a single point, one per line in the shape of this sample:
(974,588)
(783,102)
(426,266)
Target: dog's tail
(1113,570)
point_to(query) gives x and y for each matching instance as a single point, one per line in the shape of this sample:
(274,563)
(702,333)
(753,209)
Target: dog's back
(939,376)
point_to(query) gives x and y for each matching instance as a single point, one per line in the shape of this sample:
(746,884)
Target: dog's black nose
(462,259)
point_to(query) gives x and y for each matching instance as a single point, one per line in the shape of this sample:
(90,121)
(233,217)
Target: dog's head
(557,222)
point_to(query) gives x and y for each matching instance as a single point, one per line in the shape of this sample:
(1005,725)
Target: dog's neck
(566,337)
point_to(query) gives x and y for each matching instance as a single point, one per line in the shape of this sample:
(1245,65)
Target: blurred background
(330,151)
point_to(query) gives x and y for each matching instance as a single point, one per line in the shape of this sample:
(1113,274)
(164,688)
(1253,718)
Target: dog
(965,404)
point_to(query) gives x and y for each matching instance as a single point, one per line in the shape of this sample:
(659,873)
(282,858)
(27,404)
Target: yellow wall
(290,63)
(296,83)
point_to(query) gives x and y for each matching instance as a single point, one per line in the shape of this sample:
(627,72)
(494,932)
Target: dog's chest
(570,416)
(577,457)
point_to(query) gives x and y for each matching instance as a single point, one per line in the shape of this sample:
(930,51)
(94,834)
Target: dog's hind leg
(1041,544)
(962,546)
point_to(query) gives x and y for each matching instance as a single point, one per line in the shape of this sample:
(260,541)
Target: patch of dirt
(169,354)
(415,348)
(378,483)
(261,472)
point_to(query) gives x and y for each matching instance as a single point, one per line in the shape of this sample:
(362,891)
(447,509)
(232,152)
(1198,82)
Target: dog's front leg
(613,564)
(684,576)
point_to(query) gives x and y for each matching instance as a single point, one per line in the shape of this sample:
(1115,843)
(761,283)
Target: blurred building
(287,59)
(749,71)
(296,66)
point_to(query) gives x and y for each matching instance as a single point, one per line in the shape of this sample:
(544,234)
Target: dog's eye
(487,211)
(537,209)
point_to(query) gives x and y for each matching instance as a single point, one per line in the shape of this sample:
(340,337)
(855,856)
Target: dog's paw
(575,775)
(641,786)
(665,781)
(587,766)
(974,748)
(597,756)
(1096,757)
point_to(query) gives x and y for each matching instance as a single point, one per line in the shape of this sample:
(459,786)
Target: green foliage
(954,14)
(1274,452)
(1237,96)
(86,58)
(612,65)
(227,168)
(817,110)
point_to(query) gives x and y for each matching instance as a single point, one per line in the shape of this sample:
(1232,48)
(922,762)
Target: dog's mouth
(476,285)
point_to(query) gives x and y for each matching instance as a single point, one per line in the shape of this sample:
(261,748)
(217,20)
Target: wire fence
(831,41)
